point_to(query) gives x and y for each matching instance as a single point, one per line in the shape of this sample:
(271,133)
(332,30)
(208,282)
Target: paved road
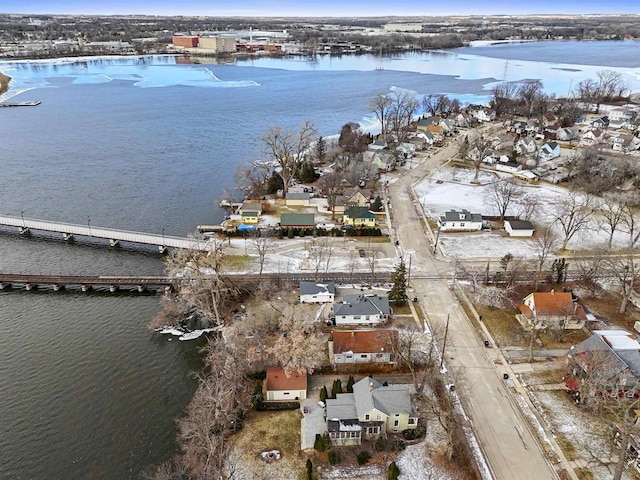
(511,450)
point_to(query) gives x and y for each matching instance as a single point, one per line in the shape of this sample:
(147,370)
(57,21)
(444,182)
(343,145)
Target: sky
(329,8)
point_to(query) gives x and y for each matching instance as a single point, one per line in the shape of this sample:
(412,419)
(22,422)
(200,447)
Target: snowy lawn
(451,188)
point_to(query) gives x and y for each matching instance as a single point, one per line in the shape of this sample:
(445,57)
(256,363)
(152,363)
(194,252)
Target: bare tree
(544,242)
(590,270)
(415,351)
(631,221)
(436,104)
(287,148)
(504,98)
(401,112)
(474,148)
(624,267)
(300,348)
(573,214)
(528,207)
(252,179)
(320,250)
(501,195)
(612,212)
(372,259)
(531,94)
(213,414)
(381,106)
(262,246)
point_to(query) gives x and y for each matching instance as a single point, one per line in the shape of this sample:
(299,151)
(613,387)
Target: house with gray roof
(606,363)
(460,221)
(370,411)
(361,309)
(317,292)
(297,220)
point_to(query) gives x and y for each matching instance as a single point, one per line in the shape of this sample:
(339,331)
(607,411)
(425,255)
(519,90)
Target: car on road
(362,253)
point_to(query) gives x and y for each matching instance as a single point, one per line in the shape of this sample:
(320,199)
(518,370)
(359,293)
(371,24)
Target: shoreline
(4,83)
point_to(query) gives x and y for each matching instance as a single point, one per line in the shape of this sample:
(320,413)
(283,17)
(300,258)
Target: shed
(519,228)
(283,387)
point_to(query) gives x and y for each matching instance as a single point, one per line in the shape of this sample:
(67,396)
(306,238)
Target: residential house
(550,120)
(359,217)
(423,124)
(448,126)
(621,115)
(508,166)
(526,176)
(525,145)
(298,220)
(567,134)
(519,228)
(625,143)
(551,309)
(358,197)
(602,123)
(610,360)
(317,292)
(363,346)
(383,160)
(437,131)
(361,310)
(483,114)
(282,387)
(378,145)
(371,411)
(549,151)
(298,199)
(462,120)
(592,137)
(460,221)
(250,211)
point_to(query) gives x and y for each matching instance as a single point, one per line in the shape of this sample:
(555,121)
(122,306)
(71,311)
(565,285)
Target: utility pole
(435,245)
(409,272)
(444,344)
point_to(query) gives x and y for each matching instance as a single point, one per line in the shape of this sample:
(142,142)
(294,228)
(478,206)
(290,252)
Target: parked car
(362,253)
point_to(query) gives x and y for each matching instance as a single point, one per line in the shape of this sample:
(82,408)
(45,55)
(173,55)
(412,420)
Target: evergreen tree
(321,150)
(398,293)
(274,183)
(310,467)
(306,173)
(350,383)
(323,393)
(377,204)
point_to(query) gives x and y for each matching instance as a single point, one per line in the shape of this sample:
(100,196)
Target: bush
(334,457)
(419,432)
(310,468)
(389,445)
(318,444)
(394,471)
(363,457)
(278,406)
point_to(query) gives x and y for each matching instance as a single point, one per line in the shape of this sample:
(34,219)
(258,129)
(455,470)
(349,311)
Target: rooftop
(364,341)
(278,380)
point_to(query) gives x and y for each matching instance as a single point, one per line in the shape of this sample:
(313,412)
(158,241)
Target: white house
(509,167)
(525,145)
(526,176)
(549,151)
(567,134)
(519,228)
(483,115)
(361,310)
(620,115)
(592,137)
(363,346)
(317,292)
(625,143)
(283,387)
(454,221)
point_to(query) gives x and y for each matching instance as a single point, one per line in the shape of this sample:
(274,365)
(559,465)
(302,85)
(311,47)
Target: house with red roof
(281,386)
(551,310)
(363,346)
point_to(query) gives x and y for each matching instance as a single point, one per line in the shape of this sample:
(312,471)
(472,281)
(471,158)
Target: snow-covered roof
(619,339)
(308,287)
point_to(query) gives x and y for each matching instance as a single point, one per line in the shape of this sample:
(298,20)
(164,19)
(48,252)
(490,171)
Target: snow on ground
(371,472)
(450,188)
(589,434)
(415,464)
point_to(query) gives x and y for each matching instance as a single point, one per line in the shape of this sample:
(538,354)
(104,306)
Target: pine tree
(377,204)
(350,383)
(323,393)
(321,150)
(398,293)
(394,471)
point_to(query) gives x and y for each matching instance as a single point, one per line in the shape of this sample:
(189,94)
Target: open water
(149,144)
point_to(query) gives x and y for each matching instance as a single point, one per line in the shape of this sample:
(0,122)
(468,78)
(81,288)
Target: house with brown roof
(279,386)
(363,346)
(551,309)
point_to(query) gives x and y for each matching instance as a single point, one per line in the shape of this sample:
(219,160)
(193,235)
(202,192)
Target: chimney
(371,386)
(553,291)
